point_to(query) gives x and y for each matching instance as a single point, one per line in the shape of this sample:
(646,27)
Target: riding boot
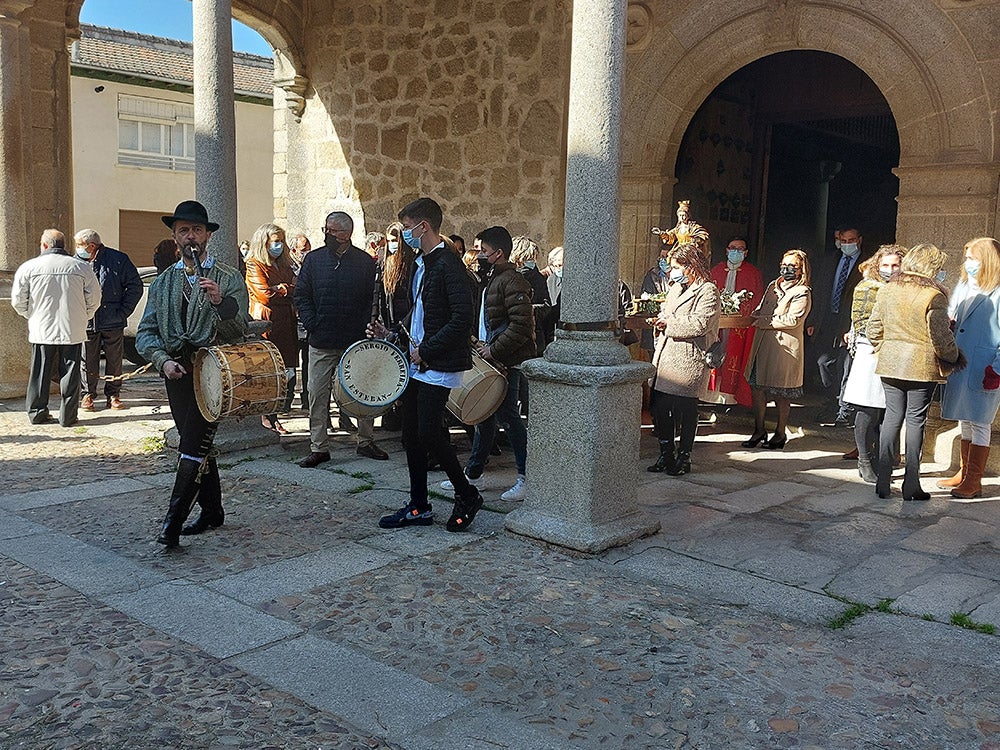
(186,485)
(210,499)
(666,459)
(963,465)
(972,485)
(682,465)
(866,471)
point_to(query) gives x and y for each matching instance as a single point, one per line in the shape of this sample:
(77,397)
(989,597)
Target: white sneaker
(518,492)
(449,487)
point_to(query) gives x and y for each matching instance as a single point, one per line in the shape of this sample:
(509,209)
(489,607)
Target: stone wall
(461,100)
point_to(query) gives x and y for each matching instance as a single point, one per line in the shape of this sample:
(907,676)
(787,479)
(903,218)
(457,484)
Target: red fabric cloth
(729,377)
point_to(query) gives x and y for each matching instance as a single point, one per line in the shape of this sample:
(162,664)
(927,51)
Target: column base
(234,434)
(583,456)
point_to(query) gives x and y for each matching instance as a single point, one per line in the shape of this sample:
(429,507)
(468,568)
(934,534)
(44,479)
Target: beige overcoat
(777,346)
(691,316)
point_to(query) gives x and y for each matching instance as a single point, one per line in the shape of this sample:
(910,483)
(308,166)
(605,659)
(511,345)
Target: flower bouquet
(731,305)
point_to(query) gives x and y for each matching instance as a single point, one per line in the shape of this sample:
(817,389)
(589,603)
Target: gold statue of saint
(685,230)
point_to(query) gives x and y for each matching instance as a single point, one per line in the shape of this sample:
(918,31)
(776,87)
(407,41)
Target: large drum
(371,376)
(239,379)
(482,391)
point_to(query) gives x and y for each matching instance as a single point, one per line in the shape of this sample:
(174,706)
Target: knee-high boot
(186,485)
(972,485)
(956,480)
(210,499)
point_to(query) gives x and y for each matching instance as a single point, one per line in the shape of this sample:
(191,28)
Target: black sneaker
(465,511)
(408,515)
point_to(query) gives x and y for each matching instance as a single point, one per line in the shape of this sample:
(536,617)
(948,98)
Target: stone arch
(922,59)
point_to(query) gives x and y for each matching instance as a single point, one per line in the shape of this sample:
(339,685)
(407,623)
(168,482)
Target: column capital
(293,84)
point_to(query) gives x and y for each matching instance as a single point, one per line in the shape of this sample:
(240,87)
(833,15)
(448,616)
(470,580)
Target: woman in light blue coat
(972,395)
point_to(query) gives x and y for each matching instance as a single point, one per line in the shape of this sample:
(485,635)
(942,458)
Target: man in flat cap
(199,301)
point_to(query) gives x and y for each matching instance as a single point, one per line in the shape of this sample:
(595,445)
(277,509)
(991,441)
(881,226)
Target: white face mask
(392,246)
(850,248)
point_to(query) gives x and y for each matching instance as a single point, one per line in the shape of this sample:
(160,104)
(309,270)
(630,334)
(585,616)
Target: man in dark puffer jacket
(506,335)
(333,297)
(438,338)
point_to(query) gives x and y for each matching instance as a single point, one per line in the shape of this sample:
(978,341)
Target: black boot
(666,459)
(210,499)
(185,488)
(682,465)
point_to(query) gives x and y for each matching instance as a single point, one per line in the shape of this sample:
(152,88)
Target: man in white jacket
(58,294)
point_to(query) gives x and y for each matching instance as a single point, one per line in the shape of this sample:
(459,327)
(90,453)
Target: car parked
(147,274)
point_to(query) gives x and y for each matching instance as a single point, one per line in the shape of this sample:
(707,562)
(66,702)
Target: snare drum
(482,391)
(239,379)
(371,376)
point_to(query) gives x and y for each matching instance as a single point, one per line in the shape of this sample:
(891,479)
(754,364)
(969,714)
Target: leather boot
(681,466)
(963,463)
(210,499)
(185,488)
(866,471)
(666,459)
(972,485)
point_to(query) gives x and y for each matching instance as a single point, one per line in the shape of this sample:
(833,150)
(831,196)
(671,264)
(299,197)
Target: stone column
(215,122)
(585,392)
(14,250)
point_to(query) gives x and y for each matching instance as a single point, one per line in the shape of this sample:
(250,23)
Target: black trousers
(43,358)
(675,415)
(111,341)
(422,408)
(196,433)
(904,400)
(834,367)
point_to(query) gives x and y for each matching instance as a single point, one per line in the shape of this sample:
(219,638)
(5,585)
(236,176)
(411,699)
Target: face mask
(941,275)
(82,254)
(678,276)
(789,273)
(972,267)
(664,265)
(410,240)
(331,242)
(885,274)
(244,251)
(485,264)
(275,249)
(849,248)
(392,246)
(530,264)
(557,272)
(735,256)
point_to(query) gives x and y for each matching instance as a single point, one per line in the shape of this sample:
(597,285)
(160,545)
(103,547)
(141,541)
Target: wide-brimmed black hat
(191,211)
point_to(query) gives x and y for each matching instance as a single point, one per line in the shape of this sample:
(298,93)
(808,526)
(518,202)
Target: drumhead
(374,372)
(208,388)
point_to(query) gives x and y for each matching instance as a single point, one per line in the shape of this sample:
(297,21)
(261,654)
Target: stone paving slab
(988,613)
(13,526)
(320,478)
(344,681)
(216,624)
(758,498)
(949,536)
(888,574)
(343,560)
(793,566)
(419,541)
(478,728)
(946,593)
(84,567)
(73,493)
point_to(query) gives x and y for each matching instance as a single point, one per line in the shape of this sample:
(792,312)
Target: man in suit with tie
(831,320)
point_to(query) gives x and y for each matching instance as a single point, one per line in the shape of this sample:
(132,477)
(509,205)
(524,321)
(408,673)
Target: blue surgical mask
(530,264)
(735,256)
(664,265)
(678,276)
(557,272)
(849,248)
(275,249)
(972,267)
(941,275)
(82,254)
(392,246)
(885,274)
(410,240)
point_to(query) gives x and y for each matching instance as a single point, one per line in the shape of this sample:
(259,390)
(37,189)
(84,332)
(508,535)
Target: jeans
(486,431)
(323,369)
(43,358)
(904,400)
(421,410)
(672,415)
(111,342)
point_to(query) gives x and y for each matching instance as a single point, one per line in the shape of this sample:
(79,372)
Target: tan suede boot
(972,485)
(963,462)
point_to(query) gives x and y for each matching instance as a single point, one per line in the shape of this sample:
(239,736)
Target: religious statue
(685,230)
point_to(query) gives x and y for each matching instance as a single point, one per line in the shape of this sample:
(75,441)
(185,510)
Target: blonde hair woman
(911,333)
(972,395)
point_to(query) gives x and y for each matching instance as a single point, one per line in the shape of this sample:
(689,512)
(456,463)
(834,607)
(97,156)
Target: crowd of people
(885,328)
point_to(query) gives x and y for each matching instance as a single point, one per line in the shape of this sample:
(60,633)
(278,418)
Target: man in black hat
(199,301)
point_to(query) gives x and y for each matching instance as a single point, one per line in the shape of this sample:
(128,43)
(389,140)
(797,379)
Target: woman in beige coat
(689,325)
(915,350)
(774,369)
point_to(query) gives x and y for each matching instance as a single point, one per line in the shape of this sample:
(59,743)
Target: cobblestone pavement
(300,624)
